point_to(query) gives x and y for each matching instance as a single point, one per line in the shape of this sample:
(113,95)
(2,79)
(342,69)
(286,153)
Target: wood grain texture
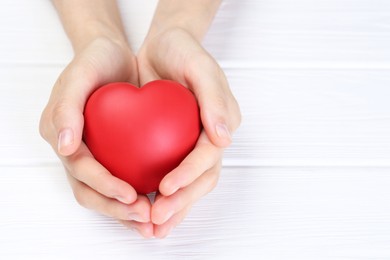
(255,212)
(308,173)
(302,34)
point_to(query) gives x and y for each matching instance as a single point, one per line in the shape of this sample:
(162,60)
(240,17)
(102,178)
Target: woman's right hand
(97,63)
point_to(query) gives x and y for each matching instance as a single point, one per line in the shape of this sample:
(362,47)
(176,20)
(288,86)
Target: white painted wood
(296,34)
(290,117)
(254,213)
(306,178)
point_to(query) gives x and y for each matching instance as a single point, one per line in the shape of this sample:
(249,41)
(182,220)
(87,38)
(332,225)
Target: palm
(165,57)
(108,62)
(176,55)
(101,62)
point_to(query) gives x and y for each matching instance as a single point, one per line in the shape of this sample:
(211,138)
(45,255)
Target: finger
(146,73)
(144,229)
(165,207)
(89,198)
(83,167)
(163,230)
(192,66)
(204,156)
(62,120)
(68,124)
(220,112)
(63,130)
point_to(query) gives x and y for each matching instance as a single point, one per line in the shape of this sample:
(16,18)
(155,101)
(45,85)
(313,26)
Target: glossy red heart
(141,134)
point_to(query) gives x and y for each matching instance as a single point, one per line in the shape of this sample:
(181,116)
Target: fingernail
(168,216)
(135,217)
(122,199)
(174,189)
(223,131)
(65,138)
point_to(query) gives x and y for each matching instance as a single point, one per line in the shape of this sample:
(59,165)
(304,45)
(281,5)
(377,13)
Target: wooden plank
(262,212)
(311,117)
(321,33)
(290,117)
(310,171)
(266,32)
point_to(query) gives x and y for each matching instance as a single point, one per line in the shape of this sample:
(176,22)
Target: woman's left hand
(176,55)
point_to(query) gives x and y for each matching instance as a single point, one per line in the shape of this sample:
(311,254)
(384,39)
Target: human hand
(175,54)
(179,57)
(99,62)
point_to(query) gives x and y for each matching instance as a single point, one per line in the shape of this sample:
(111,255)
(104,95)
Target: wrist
(87,20)
(96,31)
(194,17)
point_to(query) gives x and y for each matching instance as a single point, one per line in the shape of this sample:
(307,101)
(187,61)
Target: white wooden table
(308,176)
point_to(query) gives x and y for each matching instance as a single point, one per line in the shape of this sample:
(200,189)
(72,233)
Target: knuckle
(58,112)
(220,103)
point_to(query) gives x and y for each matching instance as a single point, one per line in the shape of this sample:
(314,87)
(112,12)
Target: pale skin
(171,50)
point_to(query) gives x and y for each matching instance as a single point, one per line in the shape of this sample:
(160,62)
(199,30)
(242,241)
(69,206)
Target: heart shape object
(141,134)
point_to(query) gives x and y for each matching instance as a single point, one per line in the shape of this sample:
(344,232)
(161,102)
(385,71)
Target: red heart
(141,134)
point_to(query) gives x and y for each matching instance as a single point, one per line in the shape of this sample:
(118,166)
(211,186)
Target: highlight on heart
(141,134)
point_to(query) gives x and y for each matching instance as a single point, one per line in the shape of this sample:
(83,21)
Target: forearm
(86,20)
(194,16)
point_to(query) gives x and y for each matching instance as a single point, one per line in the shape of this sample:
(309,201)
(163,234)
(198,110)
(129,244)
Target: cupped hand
(100,62)
(175,54)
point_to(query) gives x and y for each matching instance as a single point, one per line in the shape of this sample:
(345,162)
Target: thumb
(215,120)
(219,110)
(68,125)
(62,120)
